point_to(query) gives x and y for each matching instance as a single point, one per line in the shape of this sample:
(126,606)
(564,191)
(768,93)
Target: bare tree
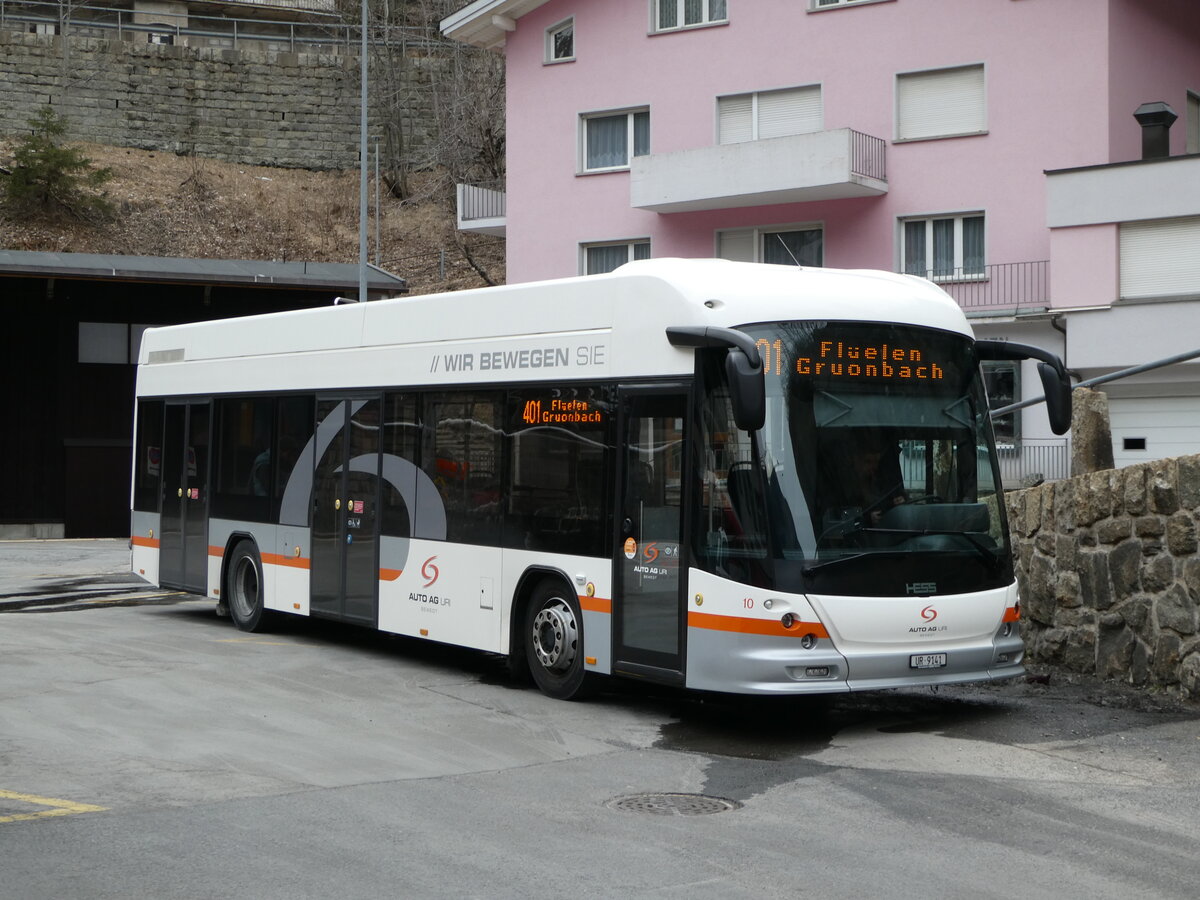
(439,104)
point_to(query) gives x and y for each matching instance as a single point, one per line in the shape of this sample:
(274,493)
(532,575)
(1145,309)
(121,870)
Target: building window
(1160,258)
(608,139)
(947,248)
(1193,122)
(942,103)
(788,246)
(560,42)
(601,258)
(768,114)
(1003,382)
(165,37)
(670,15)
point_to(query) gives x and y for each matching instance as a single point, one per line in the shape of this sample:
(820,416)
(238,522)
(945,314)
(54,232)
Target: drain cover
(673,804)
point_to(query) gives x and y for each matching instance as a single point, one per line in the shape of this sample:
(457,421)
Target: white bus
(732,477)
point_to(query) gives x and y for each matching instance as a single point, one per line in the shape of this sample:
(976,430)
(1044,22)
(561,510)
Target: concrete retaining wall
(297,110)
(1110,574)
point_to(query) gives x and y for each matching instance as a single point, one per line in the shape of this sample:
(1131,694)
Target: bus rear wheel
(244,588)
(554,642)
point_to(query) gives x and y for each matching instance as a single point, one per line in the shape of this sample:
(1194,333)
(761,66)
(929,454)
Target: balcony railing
(1033,460)
(316,28)
(1022,462)
(868,155)
(481,208)
(482,201)
(1018,285)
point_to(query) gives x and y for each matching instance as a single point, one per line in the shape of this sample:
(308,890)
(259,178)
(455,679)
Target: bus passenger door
(648,577)
(345,522)
(183,525)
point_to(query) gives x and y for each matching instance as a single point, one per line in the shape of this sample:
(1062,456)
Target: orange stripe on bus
(145,542)
(595,604)
(1012,614)
(292,562)
(390,574)
(215,551)
(740,625)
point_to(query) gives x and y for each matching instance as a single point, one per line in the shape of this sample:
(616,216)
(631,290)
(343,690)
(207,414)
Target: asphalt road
(148,749)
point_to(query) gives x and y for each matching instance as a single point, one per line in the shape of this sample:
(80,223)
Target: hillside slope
(169,205)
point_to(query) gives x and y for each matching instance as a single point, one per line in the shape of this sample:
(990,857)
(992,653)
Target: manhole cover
(673,804)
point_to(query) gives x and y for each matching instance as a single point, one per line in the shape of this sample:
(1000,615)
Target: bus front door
(648,579)
(345,522)
(183,526)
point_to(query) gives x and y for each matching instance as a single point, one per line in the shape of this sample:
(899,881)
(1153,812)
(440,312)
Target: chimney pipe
(1155,119)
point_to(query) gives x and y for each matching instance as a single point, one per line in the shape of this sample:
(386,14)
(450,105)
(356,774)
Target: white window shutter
(735,118)
(794,111)
(946,102)
(1160,259)
(736,245)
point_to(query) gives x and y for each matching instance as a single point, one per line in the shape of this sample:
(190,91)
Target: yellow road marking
(57,807)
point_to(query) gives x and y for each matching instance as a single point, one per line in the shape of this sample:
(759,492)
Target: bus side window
(148,456)
(729,535)
(401,444)
(243,456)
(558,456)
(460,452)
(293,430)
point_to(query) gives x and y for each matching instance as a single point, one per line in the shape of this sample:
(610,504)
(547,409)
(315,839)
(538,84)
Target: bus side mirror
(1055,380)
(1058,398)
(743,368)
(747,390)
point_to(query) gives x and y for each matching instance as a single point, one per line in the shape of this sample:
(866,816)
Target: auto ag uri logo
(430,571)
(929,614)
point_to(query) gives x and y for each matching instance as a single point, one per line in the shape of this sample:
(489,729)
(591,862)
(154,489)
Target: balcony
(1002,289)
(800,168)
(481,208)
(1137,191)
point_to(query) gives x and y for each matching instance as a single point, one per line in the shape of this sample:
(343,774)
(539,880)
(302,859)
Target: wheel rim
(245,587)
(555,636)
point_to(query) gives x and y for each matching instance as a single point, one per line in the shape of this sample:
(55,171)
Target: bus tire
(244,588)
(553,639)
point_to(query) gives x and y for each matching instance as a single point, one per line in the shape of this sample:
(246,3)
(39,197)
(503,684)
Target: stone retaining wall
(1110,575)
(296,110)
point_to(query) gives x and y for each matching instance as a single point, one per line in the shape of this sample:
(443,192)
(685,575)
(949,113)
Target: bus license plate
(927,660)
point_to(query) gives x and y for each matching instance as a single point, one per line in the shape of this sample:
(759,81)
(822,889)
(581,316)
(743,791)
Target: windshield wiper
(992,558)
(816,567)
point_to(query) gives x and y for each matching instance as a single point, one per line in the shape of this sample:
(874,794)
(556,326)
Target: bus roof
(447,338)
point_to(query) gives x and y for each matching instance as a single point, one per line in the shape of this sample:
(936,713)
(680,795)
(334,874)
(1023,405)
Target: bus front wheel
(554,642)
(244,588)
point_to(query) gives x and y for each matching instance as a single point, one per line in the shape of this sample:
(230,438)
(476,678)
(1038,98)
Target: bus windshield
(877,446)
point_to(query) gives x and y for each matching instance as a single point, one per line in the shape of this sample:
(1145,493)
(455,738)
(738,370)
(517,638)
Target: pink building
(990,145)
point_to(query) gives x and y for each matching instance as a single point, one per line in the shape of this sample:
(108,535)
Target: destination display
(554,411)
(844,360)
